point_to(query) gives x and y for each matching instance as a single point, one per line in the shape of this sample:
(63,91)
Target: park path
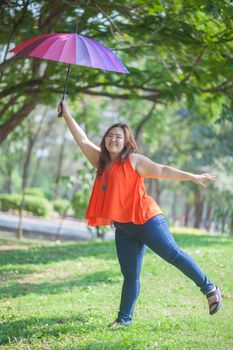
(33,227)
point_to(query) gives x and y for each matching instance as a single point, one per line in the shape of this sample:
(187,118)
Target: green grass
(62,296)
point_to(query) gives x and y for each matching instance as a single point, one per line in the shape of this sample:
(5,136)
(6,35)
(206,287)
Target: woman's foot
(115,324)
(214,300)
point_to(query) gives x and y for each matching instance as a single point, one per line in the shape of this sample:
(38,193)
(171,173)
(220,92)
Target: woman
(119,197)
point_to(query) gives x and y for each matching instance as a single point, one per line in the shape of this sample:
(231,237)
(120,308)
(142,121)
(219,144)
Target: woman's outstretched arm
(90,150)
(149,169)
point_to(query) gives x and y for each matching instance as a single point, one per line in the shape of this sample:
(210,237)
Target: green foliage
(82,195)
(174,50)
(38,206)
(10,201)
(79,203)
(223,209)
(61,205)
(37,192)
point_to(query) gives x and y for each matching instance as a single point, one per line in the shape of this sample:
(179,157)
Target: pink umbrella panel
(72,49)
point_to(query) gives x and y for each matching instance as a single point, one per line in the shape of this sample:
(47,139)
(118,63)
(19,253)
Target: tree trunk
(187,214)
(157,191)
(31,142)
(7,176)
(158,188)
(143,122)
(207,221)
(231,227)
(26,164)
(199,202)
(223,222)
(43,141)
(174,206)
(59,168)
(24,185)
(20,225)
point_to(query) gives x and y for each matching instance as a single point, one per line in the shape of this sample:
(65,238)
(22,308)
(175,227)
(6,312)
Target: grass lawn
(62,296)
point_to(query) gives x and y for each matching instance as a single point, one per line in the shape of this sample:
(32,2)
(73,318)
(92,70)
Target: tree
(174,50)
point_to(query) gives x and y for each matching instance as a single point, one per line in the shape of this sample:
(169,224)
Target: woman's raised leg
(155,234)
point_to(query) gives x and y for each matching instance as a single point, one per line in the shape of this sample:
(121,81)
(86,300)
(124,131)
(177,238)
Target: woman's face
(115,141)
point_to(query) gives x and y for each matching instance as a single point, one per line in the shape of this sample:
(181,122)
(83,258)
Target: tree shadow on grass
(30,329)
(68,251)
(42,329)
(195,240)
(84,282)
(102,250)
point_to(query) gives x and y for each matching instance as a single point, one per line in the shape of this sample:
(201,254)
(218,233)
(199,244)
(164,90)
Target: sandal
(117,324)
(217,303)
(114,325)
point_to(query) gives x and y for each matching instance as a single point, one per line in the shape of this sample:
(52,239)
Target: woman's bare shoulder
(134,158)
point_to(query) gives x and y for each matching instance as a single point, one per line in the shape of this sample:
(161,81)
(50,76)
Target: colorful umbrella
(72,49)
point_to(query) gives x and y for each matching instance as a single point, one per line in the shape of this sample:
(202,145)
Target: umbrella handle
(60,114)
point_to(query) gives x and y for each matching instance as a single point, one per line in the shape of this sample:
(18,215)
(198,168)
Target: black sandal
(217,304)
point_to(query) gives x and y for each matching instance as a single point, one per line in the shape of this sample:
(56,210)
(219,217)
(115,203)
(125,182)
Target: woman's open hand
(203,179)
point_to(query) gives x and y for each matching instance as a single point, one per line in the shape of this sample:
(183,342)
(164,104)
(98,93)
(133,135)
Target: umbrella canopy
(72,49)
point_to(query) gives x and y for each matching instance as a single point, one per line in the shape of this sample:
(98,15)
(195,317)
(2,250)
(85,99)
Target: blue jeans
(131,241)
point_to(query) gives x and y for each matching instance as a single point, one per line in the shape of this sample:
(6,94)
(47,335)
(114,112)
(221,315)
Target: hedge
(61,205)
(34,191)
(36,205)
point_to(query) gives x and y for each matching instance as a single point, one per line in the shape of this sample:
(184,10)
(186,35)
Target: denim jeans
(131,241)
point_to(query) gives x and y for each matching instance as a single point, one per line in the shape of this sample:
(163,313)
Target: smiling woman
(119,197)
(117,142)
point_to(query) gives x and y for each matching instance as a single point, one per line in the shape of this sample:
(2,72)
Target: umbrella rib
(54,39)
(118,59)
(66,42)
(54,43)
(94,47)
(97,53)
(80,36)
(107,54)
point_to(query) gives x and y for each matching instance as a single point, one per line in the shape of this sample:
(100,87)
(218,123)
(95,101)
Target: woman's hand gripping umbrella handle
(60,110)
(63,110)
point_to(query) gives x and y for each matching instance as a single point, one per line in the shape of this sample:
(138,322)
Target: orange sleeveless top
(119,194)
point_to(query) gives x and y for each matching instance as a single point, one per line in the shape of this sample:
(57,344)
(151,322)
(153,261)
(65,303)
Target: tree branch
(196,62)
(11,102)
(113,25)
(18,117)
(29,85)
(153,97)
(143,121)
(219,88)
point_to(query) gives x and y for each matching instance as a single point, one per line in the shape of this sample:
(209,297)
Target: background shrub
(37,205)
(34,191)
(79,203)
(61,205)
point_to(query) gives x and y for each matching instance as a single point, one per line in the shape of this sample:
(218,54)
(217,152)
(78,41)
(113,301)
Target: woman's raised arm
(90,150)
